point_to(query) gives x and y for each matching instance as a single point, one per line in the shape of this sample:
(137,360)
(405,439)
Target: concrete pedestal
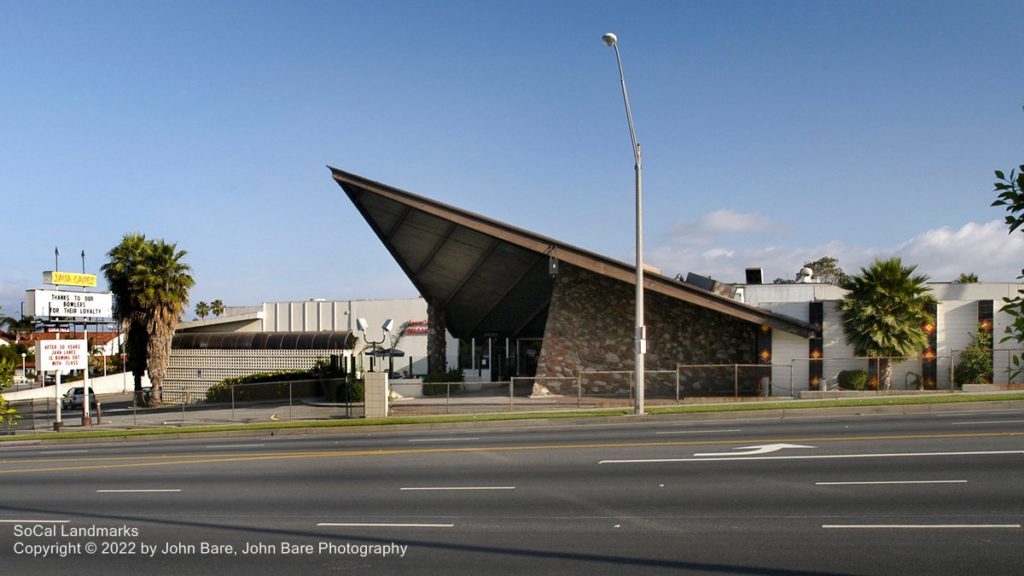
(376,392)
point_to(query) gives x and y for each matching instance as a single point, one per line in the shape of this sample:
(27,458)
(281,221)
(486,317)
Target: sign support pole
(57,424)
(86,415)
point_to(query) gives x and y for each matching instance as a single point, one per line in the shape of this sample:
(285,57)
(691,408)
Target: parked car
(73,398)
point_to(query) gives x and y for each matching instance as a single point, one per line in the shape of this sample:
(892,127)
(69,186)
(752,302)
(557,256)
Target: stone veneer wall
(591,323)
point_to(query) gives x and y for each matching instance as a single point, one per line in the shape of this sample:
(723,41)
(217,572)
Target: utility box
(376,393)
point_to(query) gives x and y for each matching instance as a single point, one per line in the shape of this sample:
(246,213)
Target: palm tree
(202,309)
(217,307)
(20,327)
(884,312)
(968,278)
(168,281)
(126,262)
(150,285)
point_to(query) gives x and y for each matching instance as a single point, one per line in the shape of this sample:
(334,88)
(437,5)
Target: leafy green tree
(8,416)
(826,270)
(884,311)
(967,278)
(202,309)
(217,307)
(150,284)
(8,364)
(1010,195)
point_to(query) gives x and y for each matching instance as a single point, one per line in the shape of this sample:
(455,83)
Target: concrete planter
(376,394)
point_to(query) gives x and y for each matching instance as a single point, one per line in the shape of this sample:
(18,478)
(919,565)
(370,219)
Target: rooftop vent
(755,276)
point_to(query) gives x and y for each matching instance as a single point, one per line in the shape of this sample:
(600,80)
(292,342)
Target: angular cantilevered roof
(491,278)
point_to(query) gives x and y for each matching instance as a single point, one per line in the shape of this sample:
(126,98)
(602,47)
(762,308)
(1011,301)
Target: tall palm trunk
(885,372)
(437,342)
(135,345)
(150,285)
(158,349)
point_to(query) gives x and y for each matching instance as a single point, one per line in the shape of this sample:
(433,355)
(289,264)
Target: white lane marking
(920,526)
(58,452)
(456,439)
(138,491)
(987,422)
(752,450)
(35,521)
(429,488)
(379,525)
(697,431)
(975,413)
(818,457)
(890,482)
(229,446)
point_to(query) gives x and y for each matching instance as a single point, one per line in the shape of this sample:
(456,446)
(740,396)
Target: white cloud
(716,225)
(985,249)
(717,253)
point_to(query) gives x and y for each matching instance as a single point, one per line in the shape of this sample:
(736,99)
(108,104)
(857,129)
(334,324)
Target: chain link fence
(285,400)
(31,415)
(337,398)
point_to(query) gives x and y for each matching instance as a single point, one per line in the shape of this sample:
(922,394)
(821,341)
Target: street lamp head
(361,324)
(388,325)
(610,39)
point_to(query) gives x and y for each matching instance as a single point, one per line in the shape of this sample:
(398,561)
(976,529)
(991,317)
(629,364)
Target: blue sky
(774,133)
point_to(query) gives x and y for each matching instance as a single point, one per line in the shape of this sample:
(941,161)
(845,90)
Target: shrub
(221,391)
(8,416)
(438,383)
(975,365)
(334,390)
(853,380)
(9,362)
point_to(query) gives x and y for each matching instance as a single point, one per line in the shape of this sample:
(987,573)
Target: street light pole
(641,330)
(386,330)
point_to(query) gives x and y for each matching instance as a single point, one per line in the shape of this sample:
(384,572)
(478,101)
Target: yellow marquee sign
(69,279)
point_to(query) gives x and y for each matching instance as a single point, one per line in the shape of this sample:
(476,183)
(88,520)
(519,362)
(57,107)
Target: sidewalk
(118,414)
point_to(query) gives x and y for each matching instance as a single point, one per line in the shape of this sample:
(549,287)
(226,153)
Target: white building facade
(962,310)
(408,333)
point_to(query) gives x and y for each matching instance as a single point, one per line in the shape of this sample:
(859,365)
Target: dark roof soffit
(570,254)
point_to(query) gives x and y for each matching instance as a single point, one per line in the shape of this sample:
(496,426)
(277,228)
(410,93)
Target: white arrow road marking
(732,457)
(752,450)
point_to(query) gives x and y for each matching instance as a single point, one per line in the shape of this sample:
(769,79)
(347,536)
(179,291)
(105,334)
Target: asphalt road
(912,494)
